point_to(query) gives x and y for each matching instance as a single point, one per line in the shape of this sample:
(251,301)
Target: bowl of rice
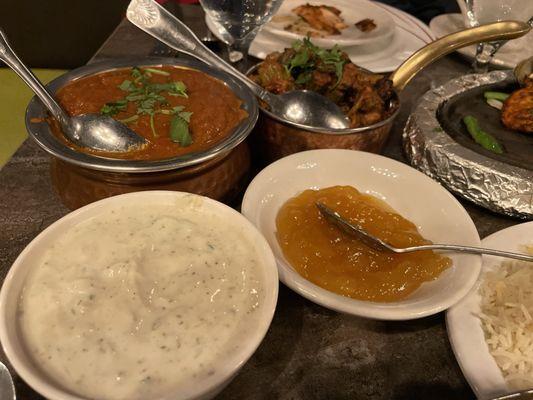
(491,329)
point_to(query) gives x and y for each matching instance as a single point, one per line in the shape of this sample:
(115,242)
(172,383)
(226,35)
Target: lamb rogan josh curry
(365,97)
(178,110)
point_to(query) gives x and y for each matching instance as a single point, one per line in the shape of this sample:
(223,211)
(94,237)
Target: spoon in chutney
(305,108)
(88,130)
(376,243)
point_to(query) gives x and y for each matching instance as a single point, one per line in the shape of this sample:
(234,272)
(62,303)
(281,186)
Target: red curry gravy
(216,111)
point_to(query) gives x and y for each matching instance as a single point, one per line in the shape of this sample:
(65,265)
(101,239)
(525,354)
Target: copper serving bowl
(277,137)
(80,178)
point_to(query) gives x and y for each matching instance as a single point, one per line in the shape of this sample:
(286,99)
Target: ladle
(303,108)
(88,130)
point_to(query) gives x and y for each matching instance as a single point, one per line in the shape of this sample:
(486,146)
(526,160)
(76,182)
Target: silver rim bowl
(43,135)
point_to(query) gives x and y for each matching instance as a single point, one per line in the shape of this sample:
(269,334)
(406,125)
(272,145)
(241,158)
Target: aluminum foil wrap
(492,184)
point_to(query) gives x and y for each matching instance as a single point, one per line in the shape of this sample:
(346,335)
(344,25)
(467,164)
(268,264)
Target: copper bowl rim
(394,103)
(43,135)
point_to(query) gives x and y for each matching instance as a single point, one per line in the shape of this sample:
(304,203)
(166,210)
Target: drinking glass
(477,12)
(240,21)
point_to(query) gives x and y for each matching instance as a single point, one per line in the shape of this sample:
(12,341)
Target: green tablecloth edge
(13,102)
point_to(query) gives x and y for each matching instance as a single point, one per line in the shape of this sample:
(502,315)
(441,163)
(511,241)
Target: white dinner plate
(409,36)
(464,328)
(352,11)
(507,56)
(436,213)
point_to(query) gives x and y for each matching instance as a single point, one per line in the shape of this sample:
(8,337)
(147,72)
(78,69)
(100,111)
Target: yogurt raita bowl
(145,295)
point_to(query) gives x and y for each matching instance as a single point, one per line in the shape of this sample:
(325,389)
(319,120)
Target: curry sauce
(331,259)
(214,110)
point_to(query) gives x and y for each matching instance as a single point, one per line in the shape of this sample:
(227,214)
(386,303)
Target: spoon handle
(158,22)
(468,249)
(10,58)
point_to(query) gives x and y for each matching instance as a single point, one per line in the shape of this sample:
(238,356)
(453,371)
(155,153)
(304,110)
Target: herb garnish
(308,57)
(150,101)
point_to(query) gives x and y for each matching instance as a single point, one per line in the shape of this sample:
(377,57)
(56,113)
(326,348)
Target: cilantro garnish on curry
(364,97)
(150,101)
(178,110)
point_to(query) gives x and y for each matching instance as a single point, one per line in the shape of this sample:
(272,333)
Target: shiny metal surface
(496,185)
(102,133)
(503,30)
(522,395)
(89,130)
(41,132)
(7,389)
(524,70)
(304,108)
(376,243)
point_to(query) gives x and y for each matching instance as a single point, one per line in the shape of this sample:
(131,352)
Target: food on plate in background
(366,25)
(314,21)
(365,97)
(140,301)
(506,317)
(178,110)
(322,18)
(335,261)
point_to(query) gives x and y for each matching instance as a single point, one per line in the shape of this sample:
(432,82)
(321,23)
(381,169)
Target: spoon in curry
(89,130)
(304,108)
(370,240)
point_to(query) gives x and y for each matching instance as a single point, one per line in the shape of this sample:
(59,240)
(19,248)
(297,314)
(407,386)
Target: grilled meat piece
(517,111)
(273,76)
(366,25)
(323,18)
(361,94)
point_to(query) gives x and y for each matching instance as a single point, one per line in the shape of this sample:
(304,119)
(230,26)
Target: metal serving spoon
(305,108)
(524,70)
(7,388)
(371,241)
(88,130)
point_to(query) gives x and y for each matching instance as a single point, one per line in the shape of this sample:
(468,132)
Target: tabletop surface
(309,352)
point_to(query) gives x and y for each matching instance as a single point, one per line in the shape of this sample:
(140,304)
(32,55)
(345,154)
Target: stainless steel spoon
(7,388)
(371,241)
(523,395)
(88,130)
(304,108)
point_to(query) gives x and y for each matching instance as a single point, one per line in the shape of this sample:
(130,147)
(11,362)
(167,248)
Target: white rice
(506,309)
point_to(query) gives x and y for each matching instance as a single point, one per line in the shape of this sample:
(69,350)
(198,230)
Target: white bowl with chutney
(435,213)
(146,295)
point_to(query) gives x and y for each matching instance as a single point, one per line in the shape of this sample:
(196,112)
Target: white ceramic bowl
(464,327)
(437,214)
(14,282)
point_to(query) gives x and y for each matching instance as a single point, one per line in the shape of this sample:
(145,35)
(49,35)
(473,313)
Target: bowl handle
(503,30)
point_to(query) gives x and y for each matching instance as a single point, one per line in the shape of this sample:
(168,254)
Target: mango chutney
(331,259)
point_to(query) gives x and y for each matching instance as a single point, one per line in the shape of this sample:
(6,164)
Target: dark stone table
(309,352)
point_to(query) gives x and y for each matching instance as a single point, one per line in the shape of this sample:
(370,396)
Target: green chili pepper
(481,137)
(496,95)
